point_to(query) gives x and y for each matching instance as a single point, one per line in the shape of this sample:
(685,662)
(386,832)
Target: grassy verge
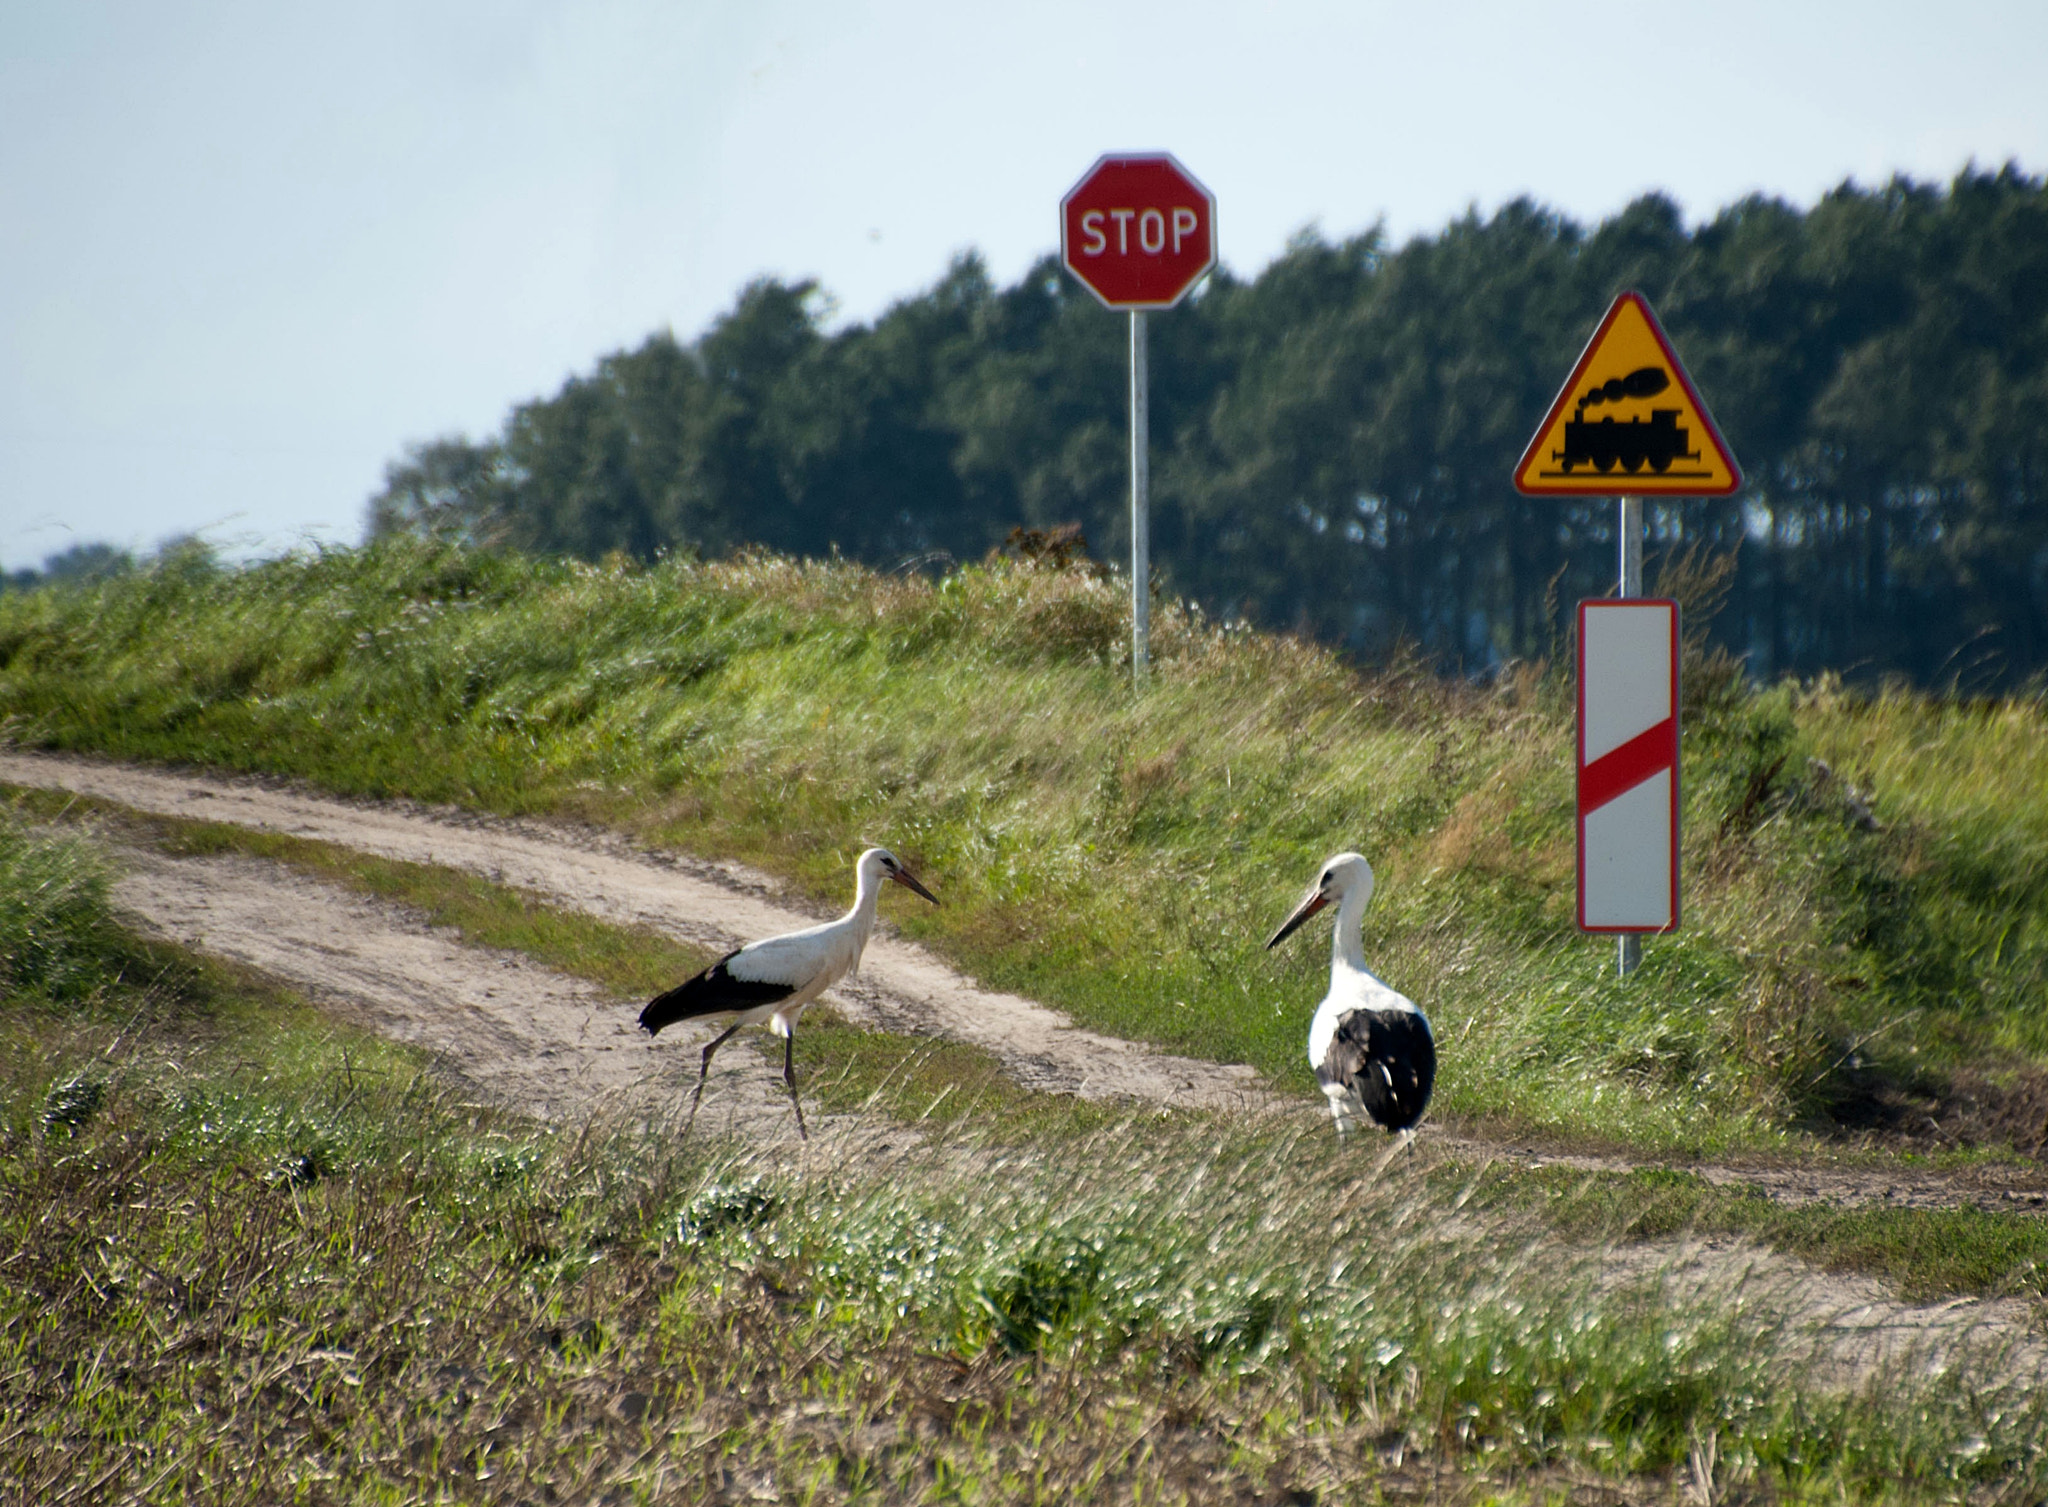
(256,1257)
(1867,932)
(948,1088)
(306,1273)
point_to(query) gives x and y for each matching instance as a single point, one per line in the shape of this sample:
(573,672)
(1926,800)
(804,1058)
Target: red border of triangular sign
(1623,486)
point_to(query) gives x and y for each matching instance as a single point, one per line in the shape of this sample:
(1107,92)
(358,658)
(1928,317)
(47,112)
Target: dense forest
(1332,440)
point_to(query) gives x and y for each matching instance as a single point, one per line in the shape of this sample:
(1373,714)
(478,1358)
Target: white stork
(1370,1046)
(773,979)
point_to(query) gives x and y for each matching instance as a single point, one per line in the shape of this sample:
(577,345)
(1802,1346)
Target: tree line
(1332,440)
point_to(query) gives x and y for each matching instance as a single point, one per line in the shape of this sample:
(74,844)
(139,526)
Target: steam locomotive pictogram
(1604,444)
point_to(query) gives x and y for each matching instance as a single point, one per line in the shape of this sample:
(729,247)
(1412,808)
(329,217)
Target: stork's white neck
(867,890)
(858,924)
(1347,948)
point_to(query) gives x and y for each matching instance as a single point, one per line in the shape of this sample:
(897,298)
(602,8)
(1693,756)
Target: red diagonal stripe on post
(1620,770)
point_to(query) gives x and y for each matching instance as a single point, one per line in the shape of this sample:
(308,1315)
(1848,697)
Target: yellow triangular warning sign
(1629,422)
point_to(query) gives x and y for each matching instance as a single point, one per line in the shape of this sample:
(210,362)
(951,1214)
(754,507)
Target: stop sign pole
(1138,231)
(1141,488)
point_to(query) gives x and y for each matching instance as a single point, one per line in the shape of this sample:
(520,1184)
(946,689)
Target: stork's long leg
(789,1078)
(704,1071)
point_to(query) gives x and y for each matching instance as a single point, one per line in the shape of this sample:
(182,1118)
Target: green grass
(255,1256)
(59,946)
(1123,857)
(946,1088)
(477,1310)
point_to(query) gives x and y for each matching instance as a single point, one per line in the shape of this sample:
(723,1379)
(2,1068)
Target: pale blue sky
(248,251)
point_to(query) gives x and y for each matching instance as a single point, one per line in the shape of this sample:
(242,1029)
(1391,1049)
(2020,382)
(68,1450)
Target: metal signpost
(1139,231)
(1650,435)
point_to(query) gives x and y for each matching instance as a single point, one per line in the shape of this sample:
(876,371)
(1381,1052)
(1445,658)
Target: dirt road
(559,1047)
(333,951)
(517,1034)
(552,1043)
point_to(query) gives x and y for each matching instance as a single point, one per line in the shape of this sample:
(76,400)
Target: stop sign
(1138,230)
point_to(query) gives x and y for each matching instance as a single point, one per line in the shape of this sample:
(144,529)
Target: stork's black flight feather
(1386,1057)
(712,992)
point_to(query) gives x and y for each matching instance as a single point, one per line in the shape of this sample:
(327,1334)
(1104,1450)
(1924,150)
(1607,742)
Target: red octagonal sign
(1138,230)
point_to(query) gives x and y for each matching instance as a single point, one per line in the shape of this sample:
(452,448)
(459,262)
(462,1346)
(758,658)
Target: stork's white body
(773,979)
(1370,1045)
(1355,990)
(806,962)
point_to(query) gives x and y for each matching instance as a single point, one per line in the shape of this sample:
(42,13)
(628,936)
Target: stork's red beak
(909,881)
(1315,902)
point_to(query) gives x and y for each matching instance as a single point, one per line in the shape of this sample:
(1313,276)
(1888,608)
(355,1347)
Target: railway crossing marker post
(1629,955)
(1668,446)
(1628,775)
(1139,231)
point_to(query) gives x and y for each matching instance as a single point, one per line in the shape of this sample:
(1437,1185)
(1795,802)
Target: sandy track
(560,1047)
(533,1039)
(513,1032)
(901,986)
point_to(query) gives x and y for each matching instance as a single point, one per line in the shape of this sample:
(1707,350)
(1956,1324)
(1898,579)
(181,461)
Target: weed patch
(284,1262)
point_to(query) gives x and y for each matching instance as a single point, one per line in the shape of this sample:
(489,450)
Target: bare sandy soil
(901,987)
(558,1047)
(513,1032)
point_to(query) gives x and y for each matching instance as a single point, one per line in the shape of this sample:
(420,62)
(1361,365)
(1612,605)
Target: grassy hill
(259,1256)
(1866,890)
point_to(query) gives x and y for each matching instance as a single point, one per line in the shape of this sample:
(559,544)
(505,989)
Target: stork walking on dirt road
(1370,1046)
(773,979)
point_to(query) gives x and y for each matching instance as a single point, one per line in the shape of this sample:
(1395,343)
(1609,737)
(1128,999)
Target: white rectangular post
(1141,544)
(1629,948)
